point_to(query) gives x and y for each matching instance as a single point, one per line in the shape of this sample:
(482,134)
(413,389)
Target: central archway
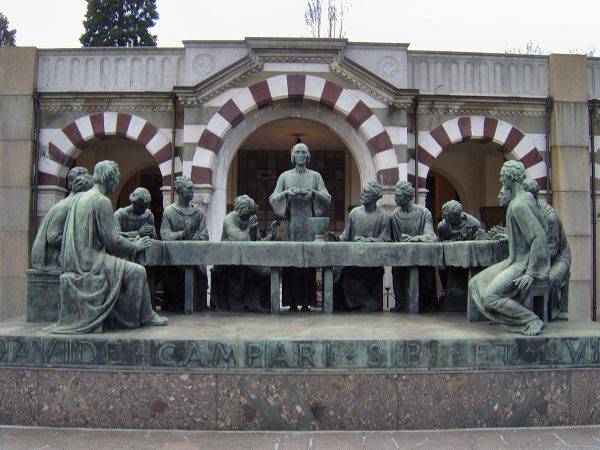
(310,112)
(295,88)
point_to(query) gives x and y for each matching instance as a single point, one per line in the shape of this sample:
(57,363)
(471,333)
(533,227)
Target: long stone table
(326,255)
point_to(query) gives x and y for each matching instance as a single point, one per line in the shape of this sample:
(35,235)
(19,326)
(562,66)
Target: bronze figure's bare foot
(533,328)
(157,321)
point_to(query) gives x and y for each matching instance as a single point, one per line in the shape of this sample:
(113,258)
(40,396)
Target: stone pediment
(377,69)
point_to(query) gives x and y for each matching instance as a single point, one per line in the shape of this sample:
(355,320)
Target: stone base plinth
(391,400)
(378,371)
(43,300)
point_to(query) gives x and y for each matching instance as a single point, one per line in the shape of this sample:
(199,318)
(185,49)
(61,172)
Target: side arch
(67,144)
(514,144)
(295,88)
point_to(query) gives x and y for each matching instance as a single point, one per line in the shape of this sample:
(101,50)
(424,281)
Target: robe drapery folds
(493,290)
(128,223)
(299,284)
(98,288)
(560,261)
(171,227)
(240,288)
(417,221)
(362,287)
(45,252)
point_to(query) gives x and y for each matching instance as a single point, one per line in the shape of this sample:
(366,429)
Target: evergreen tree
(7,37)
(119,23)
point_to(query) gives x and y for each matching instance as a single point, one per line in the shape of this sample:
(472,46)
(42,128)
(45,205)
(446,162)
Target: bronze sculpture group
(100,286)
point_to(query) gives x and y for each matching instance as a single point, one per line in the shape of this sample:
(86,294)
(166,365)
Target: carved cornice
(66,104)
(297,59)
(482,110)
(364,80)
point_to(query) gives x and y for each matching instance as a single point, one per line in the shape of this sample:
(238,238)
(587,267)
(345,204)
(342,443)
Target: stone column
(17,83)
(568,86)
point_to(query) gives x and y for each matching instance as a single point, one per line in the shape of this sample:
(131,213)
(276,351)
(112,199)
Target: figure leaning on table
(242,288)
(183,221)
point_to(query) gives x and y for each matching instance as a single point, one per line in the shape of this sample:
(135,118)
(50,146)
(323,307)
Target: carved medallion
(388,65)
(203,64)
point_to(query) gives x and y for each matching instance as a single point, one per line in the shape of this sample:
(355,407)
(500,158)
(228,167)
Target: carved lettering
(433,354)
(305,355)
(280,357)
(194,357)
(374,357)
(575,351)
(506,352)
(594,344)
(413,354)
(253,353)
(165,354)
(87,352)
(21,353)
(328,355)
(114,353)
(47,350)
(481,354)
(226,355)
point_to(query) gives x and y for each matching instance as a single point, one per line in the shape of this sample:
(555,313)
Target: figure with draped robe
(300,193)
(361,288)
(242,288)
(98,287)
(136,219)
(410,222)
(45,252)
(183,221)
(456,225)
(560,255)
(500,290)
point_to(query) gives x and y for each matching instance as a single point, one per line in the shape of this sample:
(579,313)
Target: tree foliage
(313,18)
(7,37)
(119,23)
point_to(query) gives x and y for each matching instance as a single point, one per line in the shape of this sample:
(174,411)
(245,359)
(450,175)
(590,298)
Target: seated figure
(45,252)
(136,219)
(361,288)
(560,255)
(97,288)
(411,223)
(456,225)
(500,290)
(242,288)
(183,221)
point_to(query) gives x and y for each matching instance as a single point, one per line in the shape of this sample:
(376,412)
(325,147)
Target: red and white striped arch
(514,144)
(67,144)
(295,87)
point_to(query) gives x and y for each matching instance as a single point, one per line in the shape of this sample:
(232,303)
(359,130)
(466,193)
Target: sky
(458,25)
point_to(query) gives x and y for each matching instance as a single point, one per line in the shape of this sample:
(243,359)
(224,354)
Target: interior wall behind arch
(474,170)
(129,155)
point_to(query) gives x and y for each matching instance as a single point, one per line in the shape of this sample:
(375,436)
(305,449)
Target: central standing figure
(300,193)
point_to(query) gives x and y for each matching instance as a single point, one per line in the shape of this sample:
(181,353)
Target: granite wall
(17,84)
(387,400)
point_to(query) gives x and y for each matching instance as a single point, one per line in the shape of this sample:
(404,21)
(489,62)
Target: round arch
(67,144)
(295,88)
(336,124)
(514,145)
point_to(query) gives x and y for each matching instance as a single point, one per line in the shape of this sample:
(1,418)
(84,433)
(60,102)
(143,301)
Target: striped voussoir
(294,88)
(67,144)
(514,144)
